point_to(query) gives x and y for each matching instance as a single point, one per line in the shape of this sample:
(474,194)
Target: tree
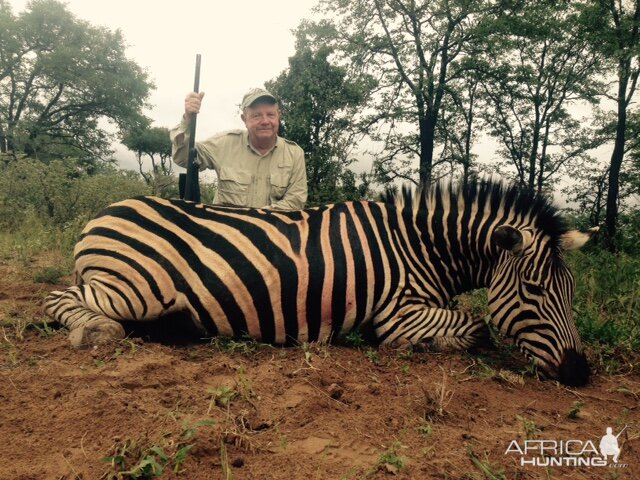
(59,76)
(538,65)
(414,49)
(589,186)
(588,191)
(318,103)
(457,129)
(616,24)
(154,143)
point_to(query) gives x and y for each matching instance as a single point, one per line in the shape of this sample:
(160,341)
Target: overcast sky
(243,43)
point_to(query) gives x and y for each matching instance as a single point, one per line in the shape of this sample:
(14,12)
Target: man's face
(262,121)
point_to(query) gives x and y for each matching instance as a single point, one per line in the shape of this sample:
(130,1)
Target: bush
(629,232)
(59,193)
(607,298)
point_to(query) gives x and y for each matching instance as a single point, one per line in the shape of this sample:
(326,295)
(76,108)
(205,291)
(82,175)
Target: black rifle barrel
(192,185)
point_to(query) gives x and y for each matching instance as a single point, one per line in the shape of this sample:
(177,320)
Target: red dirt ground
(226,410)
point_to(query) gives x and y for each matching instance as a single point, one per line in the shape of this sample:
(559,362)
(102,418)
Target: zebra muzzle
(574,369)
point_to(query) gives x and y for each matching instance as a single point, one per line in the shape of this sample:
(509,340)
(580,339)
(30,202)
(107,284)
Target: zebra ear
(508,238)
(574,239)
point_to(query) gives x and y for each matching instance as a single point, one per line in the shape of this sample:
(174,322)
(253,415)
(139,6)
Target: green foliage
(231,345)
(222,396)
(373,356)
(34,236)
(133,460)
(474,303)
(354,338)
(59,76)
(154,143)
(149,463)
(607,298)
(149,141)
(415,51)
(537,62)
(59,193)
(319,102)
(425,429)
(530,429)
(629,232)
(574,411)
(390,460)
(208,191)
(45,207)
(49,275)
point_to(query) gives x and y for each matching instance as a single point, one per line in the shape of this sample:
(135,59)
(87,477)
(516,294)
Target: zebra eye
(534,289)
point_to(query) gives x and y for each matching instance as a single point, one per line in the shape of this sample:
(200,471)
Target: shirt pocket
(280,177)
(233,187)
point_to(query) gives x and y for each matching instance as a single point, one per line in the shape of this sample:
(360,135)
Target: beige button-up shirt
(275,180)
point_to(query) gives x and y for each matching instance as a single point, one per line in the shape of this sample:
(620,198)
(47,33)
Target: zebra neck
(456,249)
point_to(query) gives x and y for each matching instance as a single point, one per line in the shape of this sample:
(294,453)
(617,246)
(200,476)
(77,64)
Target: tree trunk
(3,141)
(543,157)
(533,154)
(427,141)
(611,216)
(9,140)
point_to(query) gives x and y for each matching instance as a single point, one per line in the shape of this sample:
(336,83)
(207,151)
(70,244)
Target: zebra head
(530,299)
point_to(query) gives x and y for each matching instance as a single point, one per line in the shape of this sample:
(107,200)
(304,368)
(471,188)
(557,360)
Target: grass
(245,346)
(487,468)
(221,396)
(530,429)
(390,461)
(138,460)
(425,429)
(607,298)
(227,472)
(36,237)
(373,356)
(607,308)
(437,399)
(15,327)
(354,339)
(50,275)
(574,411)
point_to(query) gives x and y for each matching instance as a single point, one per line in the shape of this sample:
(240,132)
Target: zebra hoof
(400,344)
(98,333)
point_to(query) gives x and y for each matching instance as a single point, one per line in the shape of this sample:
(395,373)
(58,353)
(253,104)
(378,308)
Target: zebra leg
(436,328)
(78,308)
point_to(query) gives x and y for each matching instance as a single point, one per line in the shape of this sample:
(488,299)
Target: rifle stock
(192,185)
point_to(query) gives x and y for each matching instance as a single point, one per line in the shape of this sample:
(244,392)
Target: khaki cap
(254,94)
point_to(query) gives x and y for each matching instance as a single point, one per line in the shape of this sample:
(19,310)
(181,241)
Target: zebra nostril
(574,370)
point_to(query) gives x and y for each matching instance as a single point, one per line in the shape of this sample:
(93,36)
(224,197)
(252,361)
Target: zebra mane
(499,195)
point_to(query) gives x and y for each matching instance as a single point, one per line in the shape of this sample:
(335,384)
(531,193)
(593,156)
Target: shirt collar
(245,139)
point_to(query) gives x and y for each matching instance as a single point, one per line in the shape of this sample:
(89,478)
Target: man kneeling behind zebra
(315,274)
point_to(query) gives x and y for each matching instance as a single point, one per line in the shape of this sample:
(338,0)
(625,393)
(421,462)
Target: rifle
(190,180)
(625,427)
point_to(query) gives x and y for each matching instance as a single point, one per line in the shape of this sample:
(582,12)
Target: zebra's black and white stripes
(285,277)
